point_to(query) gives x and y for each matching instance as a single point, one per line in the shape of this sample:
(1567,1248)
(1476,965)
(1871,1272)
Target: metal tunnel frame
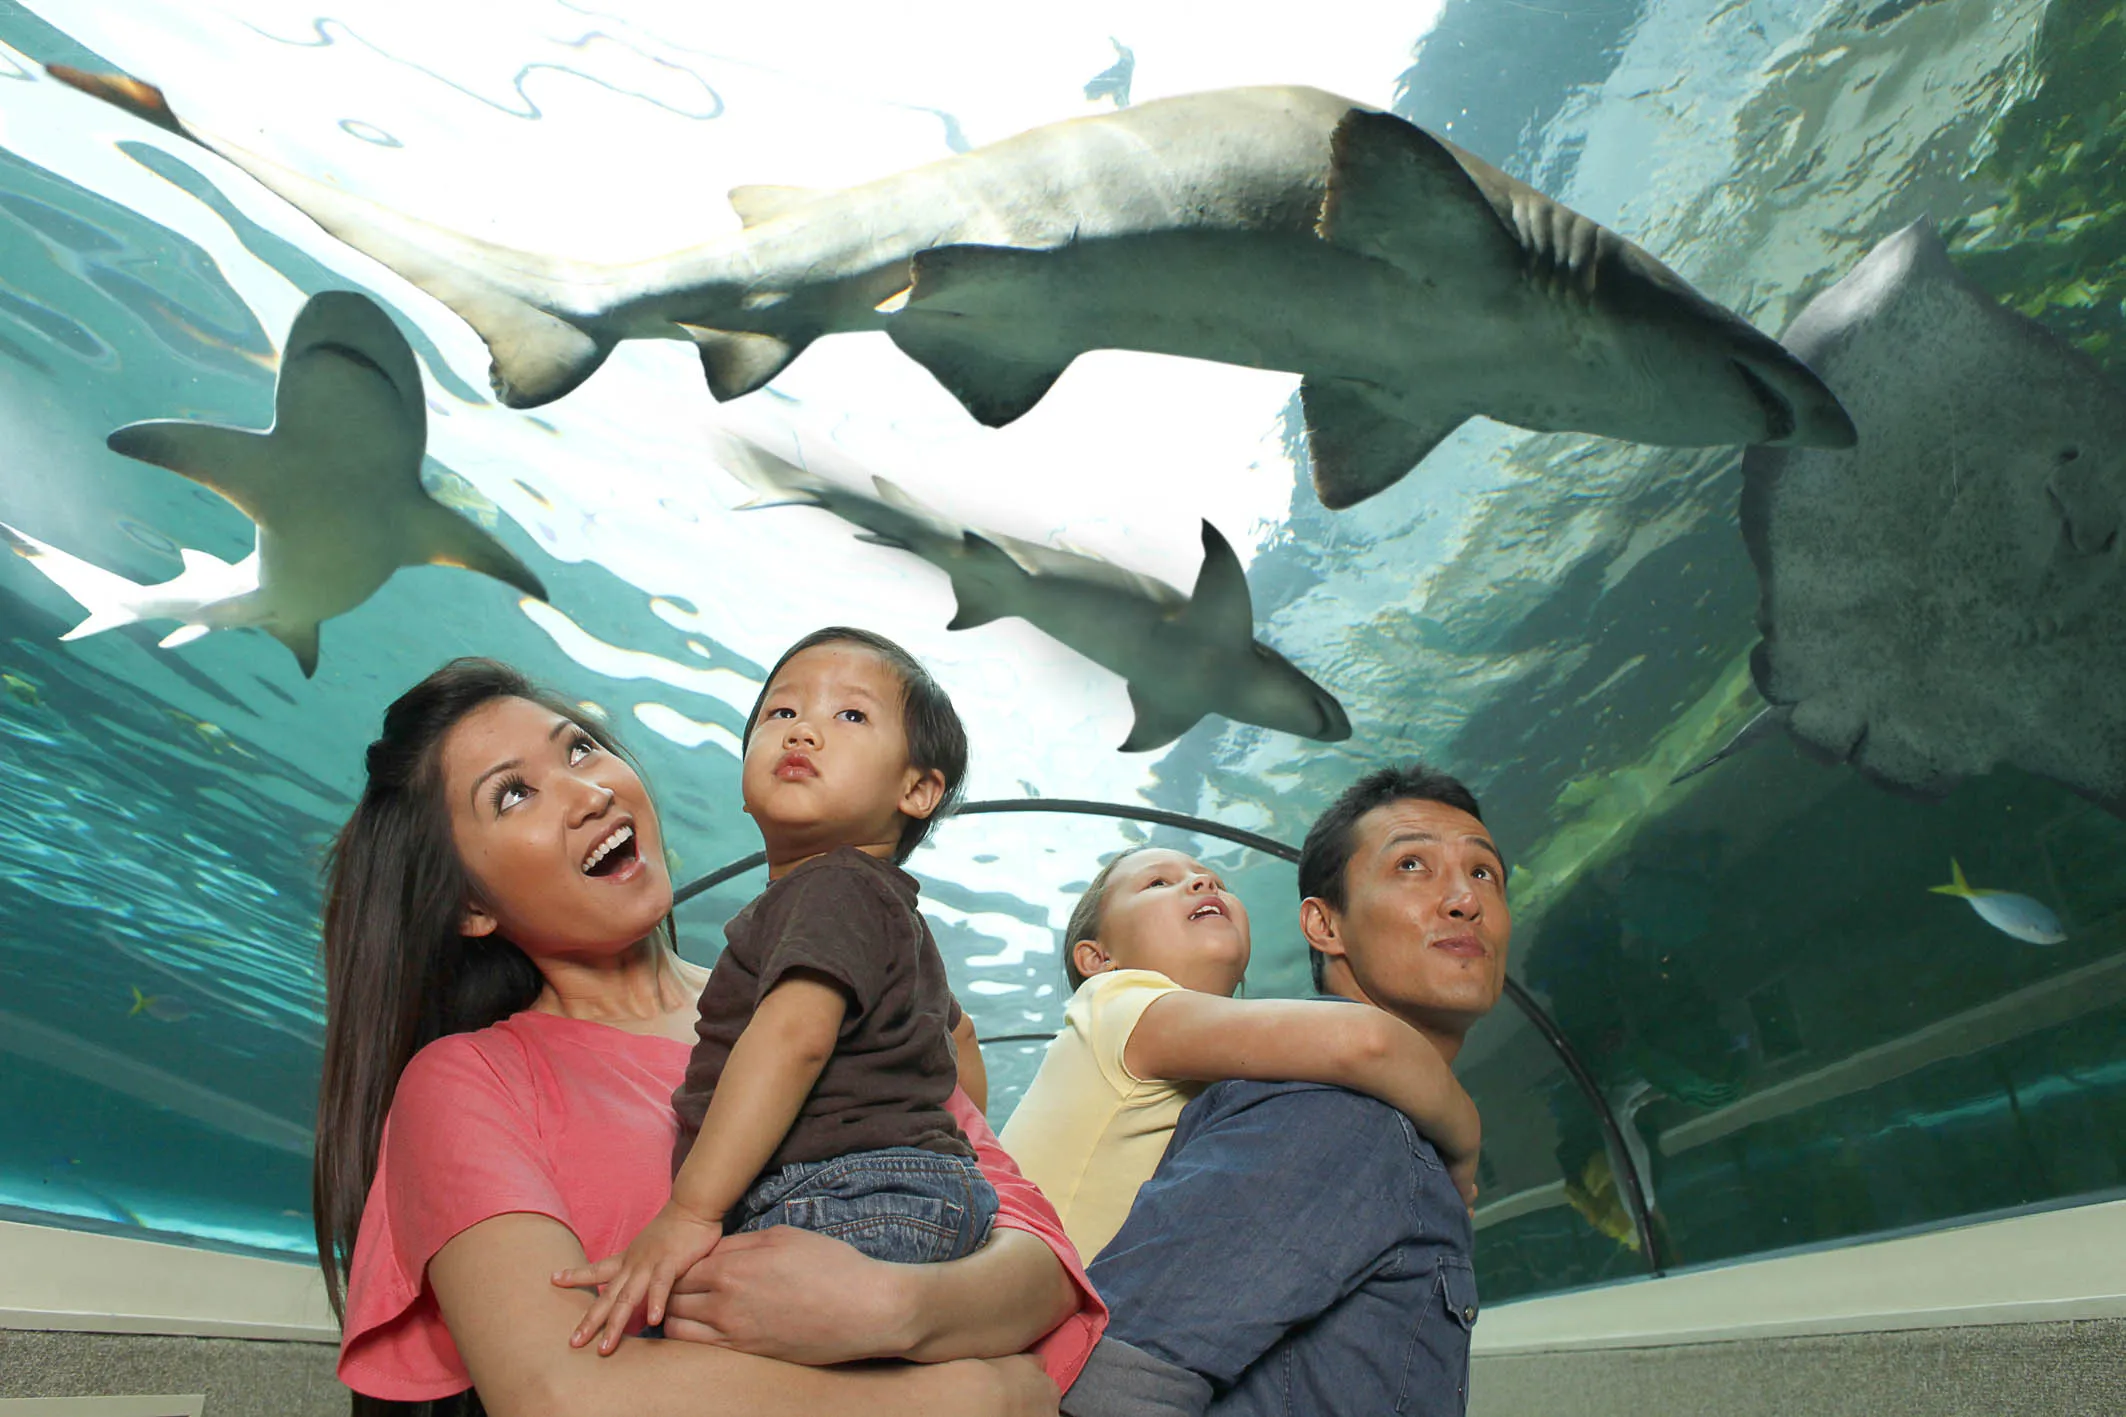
(1620,1156)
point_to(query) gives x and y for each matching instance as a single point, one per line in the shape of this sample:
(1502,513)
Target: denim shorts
(903,1204)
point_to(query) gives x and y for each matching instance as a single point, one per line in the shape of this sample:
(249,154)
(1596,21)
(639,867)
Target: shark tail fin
(512,299)
(110,599)
(976,578)
(1958,886)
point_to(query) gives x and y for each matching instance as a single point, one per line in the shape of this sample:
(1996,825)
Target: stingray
(1946,597)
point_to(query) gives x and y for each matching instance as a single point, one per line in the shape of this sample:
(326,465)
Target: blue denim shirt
(1303,1253)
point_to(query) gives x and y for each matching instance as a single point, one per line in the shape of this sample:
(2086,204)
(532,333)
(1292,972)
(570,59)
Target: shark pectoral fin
(234,462)
(301,641)
(1396,193)
(758,203)
(182,635)
(990,385)
(1356,447)
(1157,724)
(443,538)
(975,579)
(1220,610)
(954,294)
(737,362)
(872,538)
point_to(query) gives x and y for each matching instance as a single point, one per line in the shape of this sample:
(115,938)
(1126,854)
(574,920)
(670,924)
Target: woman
(506,1020)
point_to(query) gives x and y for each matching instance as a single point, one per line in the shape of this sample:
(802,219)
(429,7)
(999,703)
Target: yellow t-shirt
(1087,1132)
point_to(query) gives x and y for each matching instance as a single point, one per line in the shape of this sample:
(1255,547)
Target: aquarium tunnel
(1697,428)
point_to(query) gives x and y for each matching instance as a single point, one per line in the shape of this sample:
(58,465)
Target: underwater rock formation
(1946,597)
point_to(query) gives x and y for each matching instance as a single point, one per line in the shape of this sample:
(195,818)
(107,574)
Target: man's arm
(1273,1203)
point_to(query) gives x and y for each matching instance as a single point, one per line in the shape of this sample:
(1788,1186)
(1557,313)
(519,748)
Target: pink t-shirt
(570,1119)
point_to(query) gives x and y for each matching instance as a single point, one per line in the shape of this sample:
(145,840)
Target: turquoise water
(1802,1044)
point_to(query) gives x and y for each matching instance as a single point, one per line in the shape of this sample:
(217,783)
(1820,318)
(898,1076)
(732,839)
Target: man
(1301,1249)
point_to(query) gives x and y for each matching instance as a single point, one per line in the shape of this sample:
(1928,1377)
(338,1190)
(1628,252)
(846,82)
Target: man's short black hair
(1330,841)
(936,737)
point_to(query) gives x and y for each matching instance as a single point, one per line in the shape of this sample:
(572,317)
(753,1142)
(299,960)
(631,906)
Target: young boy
(816,1094)
(1156,948)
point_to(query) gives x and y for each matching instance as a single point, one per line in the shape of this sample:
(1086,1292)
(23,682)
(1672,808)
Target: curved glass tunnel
(1781,1031)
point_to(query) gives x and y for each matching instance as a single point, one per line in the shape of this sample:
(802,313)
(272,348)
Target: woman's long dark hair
(398,975)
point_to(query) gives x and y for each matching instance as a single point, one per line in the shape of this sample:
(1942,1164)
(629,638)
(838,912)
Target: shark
(334,486)
(1409,283)
(1184,657)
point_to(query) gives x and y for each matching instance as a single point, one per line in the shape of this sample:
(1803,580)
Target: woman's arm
(510,1326)
(807,1298)
(811,1299)
(974,1073)
(1186,1036)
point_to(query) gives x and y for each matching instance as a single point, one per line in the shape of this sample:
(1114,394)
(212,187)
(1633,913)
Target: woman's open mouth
(616,857)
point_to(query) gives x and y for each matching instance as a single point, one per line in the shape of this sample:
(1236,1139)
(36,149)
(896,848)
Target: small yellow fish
(1596,1198)
(21,690)
(163,1007)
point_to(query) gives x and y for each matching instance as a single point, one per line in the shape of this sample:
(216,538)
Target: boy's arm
(974,1073)
(764,1085)
(771,1070)
(1187,1036)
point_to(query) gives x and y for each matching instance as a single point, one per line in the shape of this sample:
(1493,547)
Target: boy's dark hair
(1085,915)
(1329,843)
(936,737)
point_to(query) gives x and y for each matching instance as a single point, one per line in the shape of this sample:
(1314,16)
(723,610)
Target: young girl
(1156,948)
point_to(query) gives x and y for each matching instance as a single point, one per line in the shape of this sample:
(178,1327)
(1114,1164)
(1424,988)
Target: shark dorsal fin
(1158,724)
(761,202)
(1399,195)
(1220,608)
(898,497)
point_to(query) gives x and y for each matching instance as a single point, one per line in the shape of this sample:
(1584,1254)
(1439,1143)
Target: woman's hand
(1027,1390)
(667,1248)
(794,1295)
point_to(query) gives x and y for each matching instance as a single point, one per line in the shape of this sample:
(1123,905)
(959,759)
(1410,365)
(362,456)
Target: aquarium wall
(1748,1021)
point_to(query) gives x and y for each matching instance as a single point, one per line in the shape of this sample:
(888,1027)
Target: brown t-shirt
(852,917)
